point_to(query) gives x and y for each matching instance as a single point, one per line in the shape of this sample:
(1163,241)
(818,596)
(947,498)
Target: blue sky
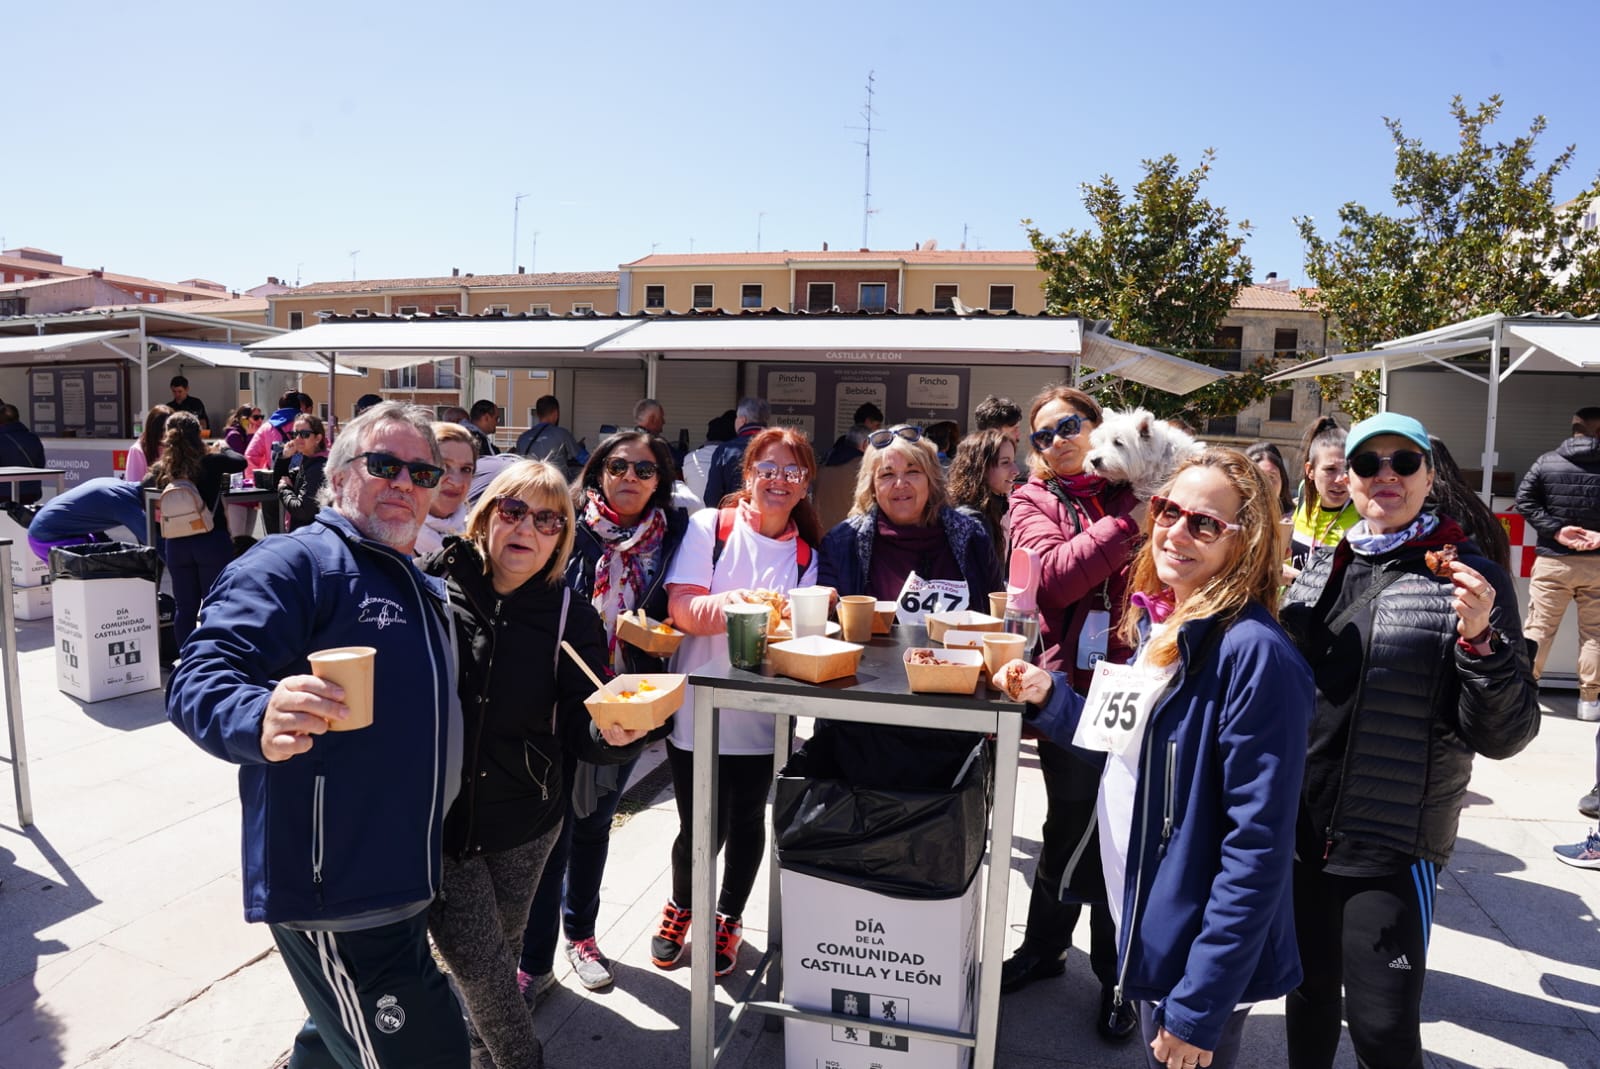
(236,141)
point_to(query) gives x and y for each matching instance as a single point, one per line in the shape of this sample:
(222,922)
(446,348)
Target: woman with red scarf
(627,535)
(1084,531)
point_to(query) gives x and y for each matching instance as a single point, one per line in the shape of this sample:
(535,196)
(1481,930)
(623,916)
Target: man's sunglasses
(1203,527)
(313,434)
(385,466)
(883,436)
(1402,462)
(769,471)
(646,470)
(514,510)
(1066,427)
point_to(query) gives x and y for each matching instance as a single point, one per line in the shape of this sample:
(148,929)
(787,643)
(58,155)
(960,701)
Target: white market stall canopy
(225,354)
(1499,345)
(26,348)
(939,338)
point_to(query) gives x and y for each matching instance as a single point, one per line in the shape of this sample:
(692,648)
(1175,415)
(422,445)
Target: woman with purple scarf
(627,534)
(1084,530)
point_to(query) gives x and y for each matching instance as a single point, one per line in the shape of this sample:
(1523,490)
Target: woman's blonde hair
(539,484)
(454,432)
(920,455)
(1252,570)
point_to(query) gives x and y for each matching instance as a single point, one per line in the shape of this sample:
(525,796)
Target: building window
(1002,298)
(244,380)
(445,310)
(13,306)
(1222,425)
(750,295)
(539,309)
(363,312)
(499,309)
(400,378)
(445,374)
(1229,343)
(944,296)
(704,295)
(874,296)
(655,296)
(819,296)
(582,308)
(297,320)
(407,310)
(1280,408)
(1285,343)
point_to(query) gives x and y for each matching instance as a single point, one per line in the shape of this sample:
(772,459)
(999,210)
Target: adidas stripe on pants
(1367,939)
(375,997)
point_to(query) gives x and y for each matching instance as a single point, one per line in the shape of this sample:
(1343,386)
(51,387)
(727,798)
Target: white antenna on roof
(353,254)
(867,113)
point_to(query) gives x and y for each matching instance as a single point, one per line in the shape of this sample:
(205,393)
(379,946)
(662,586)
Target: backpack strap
(725,521)
(555,666)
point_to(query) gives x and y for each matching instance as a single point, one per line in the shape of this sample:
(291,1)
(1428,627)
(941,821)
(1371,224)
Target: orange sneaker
(667,945)
(730,937)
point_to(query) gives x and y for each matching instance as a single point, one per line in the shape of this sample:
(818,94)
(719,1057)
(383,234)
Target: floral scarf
(628,561)
(1367,544)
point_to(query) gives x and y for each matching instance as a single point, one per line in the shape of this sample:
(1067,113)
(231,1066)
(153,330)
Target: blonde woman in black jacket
(1419,664)
(522,703)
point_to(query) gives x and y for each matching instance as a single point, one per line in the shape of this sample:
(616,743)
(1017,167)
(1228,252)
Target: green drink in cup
(747,634)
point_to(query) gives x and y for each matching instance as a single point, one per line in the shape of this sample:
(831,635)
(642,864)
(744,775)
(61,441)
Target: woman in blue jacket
(1203,741)
(904,543)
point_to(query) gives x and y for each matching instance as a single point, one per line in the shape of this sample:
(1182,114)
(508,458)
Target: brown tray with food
(930,671)
(641,632)
(637,702)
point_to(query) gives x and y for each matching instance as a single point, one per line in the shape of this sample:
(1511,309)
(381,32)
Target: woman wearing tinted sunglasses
(458,455)
(298,472)
(1416,671)
(522,703)
(1202,740)
(1084,531)
(627,534)
(763,541)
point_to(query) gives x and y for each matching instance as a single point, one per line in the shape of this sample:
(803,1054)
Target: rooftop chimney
(521,270)
(455,272)
(824,246)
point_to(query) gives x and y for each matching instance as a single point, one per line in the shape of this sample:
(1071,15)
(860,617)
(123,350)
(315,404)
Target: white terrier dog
(1136,448)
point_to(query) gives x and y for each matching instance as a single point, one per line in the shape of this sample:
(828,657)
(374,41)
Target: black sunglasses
(646,470)
(885,435)
(1066,427)
(255,415)
(309,434)
(1402,462)
(1203,527)
(514,510)
(385,466)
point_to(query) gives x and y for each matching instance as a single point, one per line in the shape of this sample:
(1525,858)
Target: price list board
(822,400)
(86,401)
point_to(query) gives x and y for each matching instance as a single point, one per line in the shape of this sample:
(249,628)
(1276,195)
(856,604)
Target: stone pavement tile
(1542,920)
(41,921)
(201,936)
(90,1000)
(142,875)
(137,1054)
(245,1021)
(83,824)
(1525,1048)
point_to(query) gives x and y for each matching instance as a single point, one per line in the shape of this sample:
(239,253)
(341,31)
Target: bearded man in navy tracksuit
(342,830)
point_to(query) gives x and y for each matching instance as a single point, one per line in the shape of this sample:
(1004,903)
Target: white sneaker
(1589,711)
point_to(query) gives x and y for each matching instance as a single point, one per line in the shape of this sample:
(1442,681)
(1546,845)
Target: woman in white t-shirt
(1203,740)
(764,542)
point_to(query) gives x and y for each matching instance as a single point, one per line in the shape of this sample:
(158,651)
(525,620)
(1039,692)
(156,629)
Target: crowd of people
(1254,764)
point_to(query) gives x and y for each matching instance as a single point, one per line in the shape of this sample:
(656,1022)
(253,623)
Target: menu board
(84,400)
(822,400)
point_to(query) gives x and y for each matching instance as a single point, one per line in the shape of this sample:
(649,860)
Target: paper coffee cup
(856,613)
(351,668)
(998,651)
(997,604)
(808,610)
(747,634)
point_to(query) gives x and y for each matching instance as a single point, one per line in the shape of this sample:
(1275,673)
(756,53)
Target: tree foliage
(1163,266)
(1475,231)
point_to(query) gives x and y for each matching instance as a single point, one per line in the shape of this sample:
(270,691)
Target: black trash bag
(22,514)
(906,843)
(105,560)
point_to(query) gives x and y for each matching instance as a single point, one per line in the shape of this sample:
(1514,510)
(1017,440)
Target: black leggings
(742,785)
(1368,936)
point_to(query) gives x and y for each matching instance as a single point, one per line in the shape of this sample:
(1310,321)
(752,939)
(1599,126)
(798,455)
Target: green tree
(1163,266)
(1475,231)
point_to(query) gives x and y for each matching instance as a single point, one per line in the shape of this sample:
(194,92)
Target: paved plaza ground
(122,942)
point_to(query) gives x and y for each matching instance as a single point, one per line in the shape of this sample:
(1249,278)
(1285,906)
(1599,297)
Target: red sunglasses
(1203,527)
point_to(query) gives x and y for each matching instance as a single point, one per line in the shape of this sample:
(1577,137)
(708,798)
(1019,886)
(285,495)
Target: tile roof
(1265,299)
(783,257)
(527,281)
(57,271)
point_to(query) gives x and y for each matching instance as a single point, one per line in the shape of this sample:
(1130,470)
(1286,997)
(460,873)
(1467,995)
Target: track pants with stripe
(376,999)
(1366,936)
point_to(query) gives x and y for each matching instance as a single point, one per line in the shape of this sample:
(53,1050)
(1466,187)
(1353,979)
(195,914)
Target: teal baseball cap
(1387,423)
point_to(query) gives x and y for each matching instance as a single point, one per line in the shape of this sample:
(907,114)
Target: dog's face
(1134,447)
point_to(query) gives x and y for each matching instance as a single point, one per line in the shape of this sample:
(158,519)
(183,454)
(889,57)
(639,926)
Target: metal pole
(8,664)
(703,926)
(516,209)
(1490,457)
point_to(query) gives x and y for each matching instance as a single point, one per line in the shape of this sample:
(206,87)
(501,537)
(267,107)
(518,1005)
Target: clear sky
(232,141)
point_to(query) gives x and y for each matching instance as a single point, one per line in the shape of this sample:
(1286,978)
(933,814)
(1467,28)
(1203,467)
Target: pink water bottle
(1022,599)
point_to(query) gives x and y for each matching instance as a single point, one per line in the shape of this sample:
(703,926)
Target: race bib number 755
(1120,701)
